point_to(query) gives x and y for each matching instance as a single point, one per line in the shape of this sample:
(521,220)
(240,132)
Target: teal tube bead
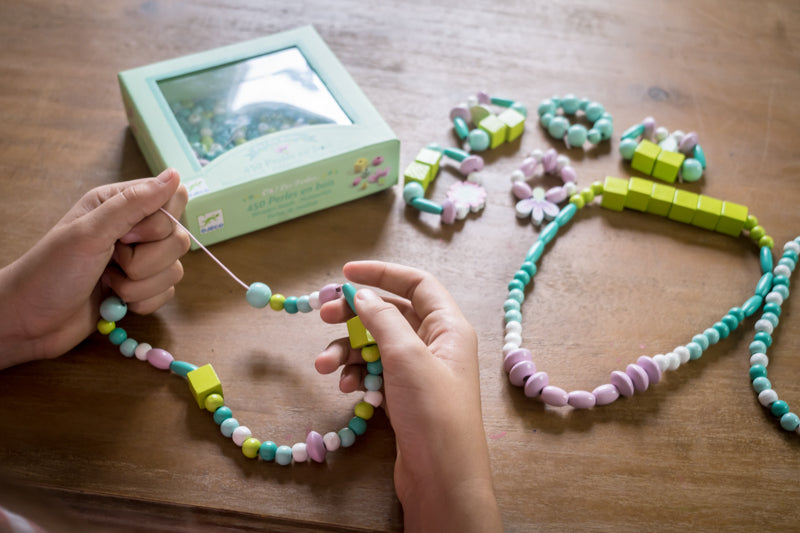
(128,347)
(790,421)
(783,290)
(516,294)
(461,127)
(182,368)
(695,350)
(523,276)
(117,336)
(283,455)
(757,371)
(761,384)
(347,437)
(349,292)
(730,321)
(357,425)
(222,414)
(772,307)
(113,309)
(757,347)
(763,336)
(511,305)
(633,132)
(290,305)
(455,153)
(772,318)
(502,102)
(516,284)
(766,260)
(752,305)
(426,206)
(702,340)
(528,267)
(375,368)
(267,450)
(736,312)
(549,232)
(697,153)
(536,251)
(566,214)
(513,316)
(779,408)
(711,335)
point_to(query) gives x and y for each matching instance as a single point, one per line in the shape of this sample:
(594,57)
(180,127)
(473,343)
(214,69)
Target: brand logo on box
(196,187)
(210,221)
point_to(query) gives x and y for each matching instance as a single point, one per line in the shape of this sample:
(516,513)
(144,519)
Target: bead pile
(206,388)
(476,124)
(536,203)
(554,116)
(671,155)
(647,196)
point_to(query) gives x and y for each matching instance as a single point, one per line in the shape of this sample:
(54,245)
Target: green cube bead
(667,165)
(644,157)
(731,219)
(684,206)
(419,173)
(514,121)
(615,190)
(430,157)
(639,190)
(708,212)
(661,199)
(496,128)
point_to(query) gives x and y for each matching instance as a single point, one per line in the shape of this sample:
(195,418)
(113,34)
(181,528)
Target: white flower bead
(759,359)
(514,327)
(141,351)
(683,354)
(517,175)
(514,338)
(300,452)
(661,133)
(562,161)
(662,361)
(767,397)
(774,297)
(331,441)
(674,361)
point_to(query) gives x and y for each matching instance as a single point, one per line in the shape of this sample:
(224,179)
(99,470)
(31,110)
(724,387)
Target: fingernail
(165,176)
(367,295)
(129,238)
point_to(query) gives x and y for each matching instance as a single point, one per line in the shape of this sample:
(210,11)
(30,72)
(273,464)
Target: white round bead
(472,101)
(683,354)
(661,133)
(759,359)
(374,398)
(774,297)
(792,245)
(537,154)
(674,361)
(662,361)
(571,188)
(241,434)
(313,300)
(764,325)
(514,327)
(300,452)
(517,175)
(509,347)
(141,351)
(767,396)
(678,135)
(475,177)
(782,270)
(331,441)
(562,161)
(514,338)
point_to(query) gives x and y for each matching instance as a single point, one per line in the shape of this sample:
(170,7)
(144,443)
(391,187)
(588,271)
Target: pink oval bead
(160,358)
(535,384)
(556,195)
(688,142)
(521,190)
(550,160)
(555,396)
(471,164)
(483,97)
(514,357)
(315,446)
(581,399)
(651,367)
(520,372)
(330,292)
(605,394)
(622,382)
(461,111)
(649,124)
(638,376)
(528,166)
(568,174)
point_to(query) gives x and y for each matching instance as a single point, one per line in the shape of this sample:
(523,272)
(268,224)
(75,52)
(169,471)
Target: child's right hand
(432,395)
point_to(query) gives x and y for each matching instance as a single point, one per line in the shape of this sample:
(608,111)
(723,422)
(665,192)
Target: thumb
(392,332)
(116,216)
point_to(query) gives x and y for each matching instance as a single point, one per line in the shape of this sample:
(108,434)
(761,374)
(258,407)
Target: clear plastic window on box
(223,107)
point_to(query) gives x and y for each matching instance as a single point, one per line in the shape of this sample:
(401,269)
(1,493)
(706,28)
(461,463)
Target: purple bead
(623,383)
(521,190)
(460,111)
(528,166)
(535,384)
(638,377)
(550,160)
(649,124)
(688,142)
(568,175)
(471,164)
(606,394)
(484,98)
(581,399)
(556,195)
(651,367)
(555,396)
(448,212)
(520,372)
(315,446)
(330,292)
(159,358)
(514,357)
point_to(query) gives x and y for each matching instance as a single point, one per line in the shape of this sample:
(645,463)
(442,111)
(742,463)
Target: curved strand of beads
(536,203)
(554,114)
(481,129)
(765,327)
(657,152)
(641,195)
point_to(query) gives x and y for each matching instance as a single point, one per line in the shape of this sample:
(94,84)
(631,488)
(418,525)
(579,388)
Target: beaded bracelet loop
(554,116)
(481,129)
(657,152)
(536,203)
(646,196)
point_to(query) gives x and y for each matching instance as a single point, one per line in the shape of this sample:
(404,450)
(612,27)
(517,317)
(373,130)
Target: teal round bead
(772,318)
(346,437)
(267,450)
(606,115)
(583,103)
(529,267)
(373,382)
(730,321)
(516,284)
(627,147)
(303,305)
(790,421)
(182,368)
(478,140)
(765,258)
(412,190)
(691,170)
(605,127)
(702,340)
(772,307)
(632,132)
(764,284)
(520,108)
(375,368)
(779,408)
(222,414)
(757,347)
(711,335)
(546,107)
(565,215)
(113,309)
(558,127)
(757,371)
(523,276)
(128,347)
(594,136)
(576,135)
(545,119)
(723,329)
(783,290)
(516,294)
(760,384)
(737,312)
(549,232)
(228,425)
(791,254)
(536,251)
(780,279)
(357,425)
(511,305)
(117,336)
(695,350)
(512,316)
(258,295)
(283,455)
(594,111)
(763,336)
(752,305)
(290,305)
(570,104)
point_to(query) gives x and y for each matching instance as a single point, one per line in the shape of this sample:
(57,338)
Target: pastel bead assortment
(555,113)
(666,156)
(536,203)
(206,388)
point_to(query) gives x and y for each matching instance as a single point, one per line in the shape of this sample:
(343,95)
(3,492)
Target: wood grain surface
(94,439)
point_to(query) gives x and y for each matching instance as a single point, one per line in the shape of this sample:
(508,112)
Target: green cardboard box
(261,132)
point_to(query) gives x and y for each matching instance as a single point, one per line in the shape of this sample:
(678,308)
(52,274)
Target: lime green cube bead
(732,219)
(202,383)
(684,206)
(496,128)
(420,173)
(429,157)
(615,190)
(667,165)
(639,190)
(359,336)
(514,121)
(644,157)
(660,199)
(708,212)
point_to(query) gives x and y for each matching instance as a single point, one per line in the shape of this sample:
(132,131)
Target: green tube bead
(536,251)
(349,292)
(456,154)
(461,127)
(752,305)
(764,284)
(182,368)
(633,131)
(502,102)
(549,232)
(766,260)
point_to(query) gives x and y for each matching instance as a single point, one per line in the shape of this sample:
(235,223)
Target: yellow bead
(757,232)
(214,402)
(276,301)
(364,410)
(105,327)
(597,188)
(250,447)
(615,191)
(751,222)
(587,195)
(203,382)
(370,353)
(359,336)
(577,200)
(767,241)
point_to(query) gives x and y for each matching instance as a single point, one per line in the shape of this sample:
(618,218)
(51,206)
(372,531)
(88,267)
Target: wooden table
(115,443)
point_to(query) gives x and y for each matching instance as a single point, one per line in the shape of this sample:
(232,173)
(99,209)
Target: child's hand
(114,238)
(432,395)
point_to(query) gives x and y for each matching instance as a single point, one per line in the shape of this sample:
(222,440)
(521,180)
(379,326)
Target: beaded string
(641,195)
(206,387)
(536,203)
(657,152)
(554,116)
